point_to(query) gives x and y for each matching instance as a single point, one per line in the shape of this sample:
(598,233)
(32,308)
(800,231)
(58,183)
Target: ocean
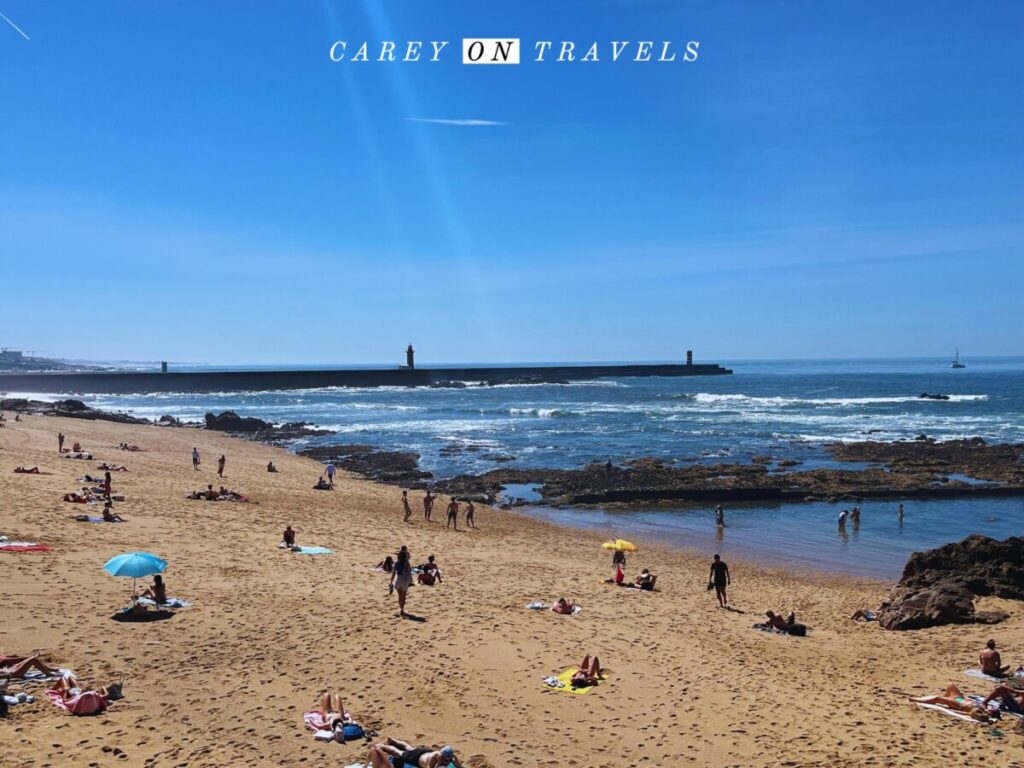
(784,409)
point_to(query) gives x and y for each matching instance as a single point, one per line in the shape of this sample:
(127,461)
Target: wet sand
(226,682)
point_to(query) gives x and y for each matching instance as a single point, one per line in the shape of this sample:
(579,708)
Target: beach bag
(352,731)
(799,630)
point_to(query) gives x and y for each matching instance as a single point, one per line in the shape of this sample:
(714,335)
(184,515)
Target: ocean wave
(709,398)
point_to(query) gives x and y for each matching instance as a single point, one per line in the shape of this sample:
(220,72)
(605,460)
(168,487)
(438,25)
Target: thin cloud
(448,121)
(16,27)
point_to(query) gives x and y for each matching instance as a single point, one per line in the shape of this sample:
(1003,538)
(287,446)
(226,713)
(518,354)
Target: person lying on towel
(953,698)
(588,674)
(400,754)
(16,667)
(563,606)
(27,470)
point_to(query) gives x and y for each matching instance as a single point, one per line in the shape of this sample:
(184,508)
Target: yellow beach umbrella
(621,545)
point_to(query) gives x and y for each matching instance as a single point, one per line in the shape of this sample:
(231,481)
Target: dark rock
(229,421)
(927,396)
(394,467)
(938,586)
(74,409)
(169,421)
(990,617)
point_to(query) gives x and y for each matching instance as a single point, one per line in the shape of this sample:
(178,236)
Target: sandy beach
(226,682)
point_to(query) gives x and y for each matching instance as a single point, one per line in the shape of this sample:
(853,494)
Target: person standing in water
(719,516)
(842,518)
(405,507)
(720,578)
(453,514)
(899,513)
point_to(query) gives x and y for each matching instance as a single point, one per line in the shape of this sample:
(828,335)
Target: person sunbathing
(27,470)
(69,688)
(588,674)
(113,467)
(953,698)
(387,565)
(271,467)
(158,591)
(78,498)
(333,711)
(865,614)
(288,537)
(322,485)
(400,754)
(429,573)
(788,625)
(76,448)
(645,581)
(564,607)
(1010,699)
(210,494)
(991,662)
(109,516)
(16,667)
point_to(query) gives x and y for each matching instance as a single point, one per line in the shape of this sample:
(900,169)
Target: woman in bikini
(588,674)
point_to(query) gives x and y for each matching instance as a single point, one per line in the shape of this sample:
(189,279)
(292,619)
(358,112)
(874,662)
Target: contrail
(16,27)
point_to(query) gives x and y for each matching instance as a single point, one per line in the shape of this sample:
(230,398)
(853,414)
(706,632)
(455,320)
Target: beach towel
(951,713)
(991,678)
(79,455)
(312,551)
(538,606)
(315,721)
(85,703)
(88,519)
(23,546)
(172,602)
(563,682)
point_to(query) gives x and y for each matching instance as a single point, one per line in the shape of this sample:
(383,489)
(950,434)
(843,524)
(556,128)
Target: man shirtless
(428,505)
(401,754)
(991,662)
(453,514)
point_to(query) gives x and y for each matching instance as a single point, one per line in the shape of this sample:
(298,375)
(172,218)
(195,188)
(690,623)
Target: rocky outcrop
(74,409)
(395,467)
(263,431)
(939,586)
(929,396)
(1000,462)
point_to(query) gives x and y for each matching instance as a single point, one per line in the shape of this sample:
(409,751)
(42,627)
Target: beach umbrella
(620,545)
(135,565)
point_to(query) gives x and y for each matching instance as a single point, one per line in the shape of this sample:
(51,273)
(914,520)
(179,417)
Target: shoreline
(226,681)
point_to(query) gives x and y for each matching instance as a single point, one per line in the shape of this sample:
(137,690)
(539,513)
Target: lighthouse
(410,353)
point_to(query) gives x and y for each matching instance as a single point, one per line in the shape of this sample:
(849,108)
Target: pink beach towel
(85,703)
(314,721)
(23,546)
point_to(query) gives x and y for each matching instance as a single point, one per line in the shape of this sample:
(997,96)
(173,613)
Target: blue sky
(197,181)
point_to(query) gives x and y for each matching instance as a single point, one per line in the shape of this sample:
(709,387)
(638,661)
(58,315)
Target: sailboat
(956,362)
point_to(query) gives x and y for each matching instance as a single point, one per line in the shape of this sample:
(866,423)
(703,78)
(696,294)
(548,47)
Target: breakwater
(123,382)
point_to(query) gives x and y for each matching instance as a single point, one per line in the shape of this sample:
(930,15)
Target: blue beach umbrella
(135,565)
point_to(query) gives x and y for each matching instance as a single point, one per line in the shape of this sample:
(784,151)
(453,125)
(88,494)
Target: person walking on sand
(220,465)
(428,505)
(470,514)
(331,469)
(401,579)
(195,458)
(405,507)
(453,514)
(719,577)
(60,442)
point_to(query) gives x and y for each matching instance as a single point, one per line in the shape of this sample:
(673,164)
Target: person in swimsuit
(288,537)
(719,516)
(108,513)
(1011,699)
(406,509)
(953,698)
(271,467)
(158,591)
(453,514)
(27,470)
(470,514)
(332,710)
(401,579)
(15,667)
(429,573)
(428,505)
(220,465)
(387,565)
(195,458)
(564,607)
(720,578)
(991,662)
(588,674)
(400,754)
(60,442)
(645,581)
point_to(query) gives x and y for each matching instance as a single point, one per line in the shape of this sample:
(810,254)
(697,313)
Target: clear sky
(197,181)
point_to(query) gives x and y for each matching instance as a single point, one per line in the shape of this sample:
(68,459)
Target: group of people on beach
(1006,697)
(428,510)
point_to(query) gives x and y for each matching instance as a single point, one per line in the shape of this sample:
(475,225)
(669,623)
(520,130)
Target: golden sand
(225,683)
